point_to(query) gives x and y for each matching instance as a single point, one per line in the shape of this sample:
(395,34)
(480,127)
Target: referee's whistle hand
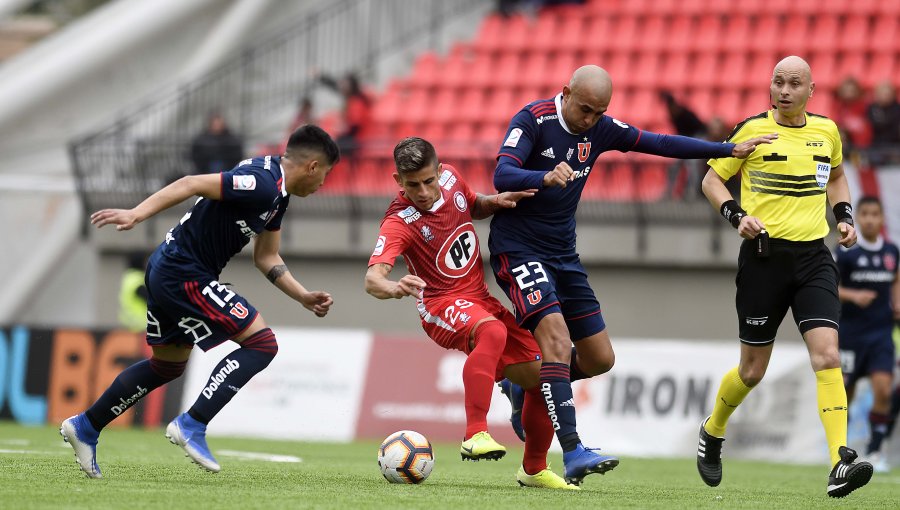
(848,234)
(744,149)
(750,227)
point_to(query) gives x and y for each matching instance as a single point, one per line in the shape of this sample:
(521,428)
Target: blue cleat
(582,461)
(80,434)
(516,396)
(190,435)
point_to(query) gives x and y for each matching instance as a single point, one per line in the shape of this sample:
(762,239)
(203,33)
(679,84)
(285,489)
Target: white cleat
(82,437)
(190,435)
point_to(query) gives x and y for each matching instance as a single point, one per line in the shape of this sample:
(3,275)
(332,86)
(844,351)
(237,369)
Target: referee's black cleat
(847,475)
(709,457)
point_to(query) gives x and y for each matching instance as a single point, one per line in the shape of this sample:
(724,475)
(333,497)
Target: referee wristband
(732,212)
(843,212)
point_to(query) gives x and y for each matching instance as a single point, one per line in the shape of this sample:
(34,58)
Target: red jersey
(440,245)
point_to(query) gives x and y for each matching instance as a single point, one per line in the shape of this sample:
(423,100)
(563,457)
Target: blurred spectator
(133,294)
(357,112)
(216,149)
(304,114)
(686,123)
(884,117)
(507,8)
(850,114)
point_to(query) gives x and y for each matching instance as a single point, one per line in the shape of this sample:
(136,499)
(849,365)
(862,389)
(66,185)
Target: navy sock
(575,373)
(232,373)
(131,385)
(878,426)
(895,410)
(557,391)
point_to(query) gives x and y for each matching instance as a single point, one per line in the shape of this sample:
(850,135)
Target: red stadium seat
(797,36)
(703,70)
(884,36)
(733,69)
(825,70)
(426,70)
(737,33)
(882,67)
(470,105)
(507,69)
(597,34)
(645,70)
(767,32)
(853,64)
(652,182)
(501,106)
(681,34)
(827,32)
(443,105)
(491,35)
(625,35)
(674,71)
(572,31)
(481,70)
(855,33)
(708,35)
(654,34)
(544,33)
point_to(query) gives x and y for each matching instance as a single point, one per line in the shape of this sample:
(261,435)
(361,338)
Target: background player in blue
(551,145)
(870,294)
(187,305)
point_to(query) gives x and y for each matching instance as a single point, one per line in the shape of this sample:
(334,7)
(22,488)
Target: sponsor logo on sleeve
(379,246)
(243,182)
(620,123)
(245,162)
(513,139)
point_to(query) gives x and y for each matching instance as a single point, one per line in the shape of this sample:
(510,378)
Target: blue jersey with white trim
(871,266)
(538,140)
(253,198)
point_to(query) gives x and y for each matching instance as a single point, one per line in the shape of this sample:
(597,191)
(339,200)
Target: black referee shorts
(800,275)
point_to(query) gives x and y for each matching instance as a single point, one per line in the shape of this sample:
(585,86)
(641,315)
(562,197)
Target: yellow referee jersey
(783,183)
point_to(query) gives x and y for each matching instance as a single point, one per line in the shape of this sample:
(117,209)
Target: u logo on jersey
(459,253)
(584,150)
(534,297)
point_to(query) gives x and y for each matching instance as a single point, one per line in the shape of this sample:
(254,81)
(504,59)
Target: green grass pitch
(142,470)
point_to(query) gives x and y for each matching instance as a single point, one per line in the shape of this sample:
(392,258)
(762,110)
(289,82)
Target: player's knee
(600,365)
(825,359)
(262,342)
(751,375)
(168,370)
(492,331)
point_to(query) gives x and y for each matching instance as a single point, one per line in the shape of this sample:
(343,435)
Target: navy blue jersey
(538,140)
(870,266)
(253,198)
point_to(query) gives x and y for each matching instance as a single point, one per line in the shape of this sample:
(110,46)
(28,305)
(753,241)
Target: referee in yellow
(784,263)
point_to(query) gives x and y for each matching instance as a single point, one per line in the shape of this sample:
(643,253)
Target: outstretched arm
(269,262)
(206,186)
(486,205)
(684,147)
(378,284)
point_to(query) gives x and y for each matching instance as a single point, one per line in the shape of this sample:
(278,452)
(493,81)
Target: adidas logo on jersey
(568,403)
(549,153)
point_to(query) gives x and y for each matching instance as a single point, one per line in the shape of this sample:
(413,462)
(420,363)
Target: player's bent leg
(519,377)
(592,356)
(82,431)
(258,349)
(487,344)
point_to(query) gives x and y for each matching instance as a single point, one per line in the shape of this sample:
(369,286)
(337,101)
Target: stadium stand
(715,60)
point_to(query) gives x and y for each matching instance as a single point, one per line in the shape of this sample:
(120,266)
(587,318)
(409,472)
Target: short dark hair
(413,154)
(869,199)
(310,137)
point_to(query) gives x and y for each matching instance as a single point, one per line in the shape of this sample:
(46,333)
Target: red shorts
(450,322)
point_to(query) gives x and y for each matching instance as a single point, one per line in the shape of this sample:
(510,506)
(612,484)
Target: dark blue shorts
(539,285)
(193,309)
(863,355)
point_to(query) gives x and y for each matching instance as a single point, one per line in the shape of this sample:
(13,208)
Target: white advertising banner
(652,402)
(310,391)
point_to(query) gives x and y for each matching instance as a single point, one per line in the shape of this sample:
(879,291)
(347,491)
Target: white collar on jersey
(437,205)
(562,121)
(870,246)
(284,192)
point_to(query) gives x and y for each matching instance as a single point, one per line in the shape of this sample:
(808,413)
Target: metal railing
(148,145)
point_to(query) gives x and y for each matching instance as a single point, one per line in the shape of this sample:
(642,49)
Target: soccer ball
(405,457)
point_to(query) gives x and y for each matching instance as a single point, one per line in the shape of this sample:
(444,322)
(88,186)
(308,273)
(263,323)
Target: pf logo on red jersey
(459,252)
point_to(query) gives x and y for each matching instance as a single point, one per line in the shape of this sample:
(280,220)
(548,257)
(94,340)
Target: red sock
(538,432)
(478,374)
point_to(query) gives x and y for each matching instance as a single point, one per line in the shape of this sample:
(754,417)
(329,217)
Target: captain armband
(732,212)
(843,212)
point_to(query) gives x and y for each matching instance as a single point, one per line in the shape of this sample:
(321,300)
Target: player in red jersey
(430,225)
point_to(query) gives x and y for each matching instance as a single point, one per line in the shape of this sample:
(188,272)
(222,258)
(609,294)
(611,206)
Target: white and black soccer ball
(405,457)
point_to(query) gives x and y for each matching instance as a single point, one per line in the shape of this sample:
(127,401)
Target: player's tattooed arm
(276,272)
(486,205)
(379,286)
